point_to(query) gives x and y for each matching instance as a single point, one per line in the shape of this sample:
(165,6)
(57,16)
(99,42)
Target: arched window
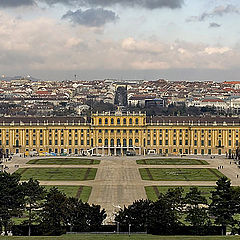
(112,121)
(106,121)
(17,143)
(106,142)
(136,140)
(112,142)
(130,120)
(99,140)
(100,121)
(124,121)
(124,142)
(130,142)
(136,121)
(118,142)
(118,121)
(219,143)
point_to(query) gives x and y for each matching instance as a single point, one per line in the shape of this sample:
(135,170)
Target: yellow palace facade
(120,133)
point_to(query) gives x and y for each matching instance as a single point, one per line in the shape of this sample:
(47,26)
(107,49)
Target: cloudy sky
(123,39)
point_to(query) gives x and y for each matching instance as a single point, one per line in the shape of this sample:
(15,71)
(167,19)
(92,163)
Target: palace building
(119,133)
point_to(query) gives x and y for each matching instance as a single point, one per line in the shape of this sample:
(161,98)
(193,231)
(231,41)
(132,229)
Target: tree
(196,208)
(164,215)
(135,214)
(222,205)
(11,198)
(54,212)
(33,195)
(83,217)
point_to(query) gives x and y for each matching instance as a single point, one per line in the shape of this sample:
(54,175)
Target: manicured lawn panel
(72,191)
(180,174)
(85,193)
(58,174)
(151,194)
(172,161)
(123,237)
(64,161)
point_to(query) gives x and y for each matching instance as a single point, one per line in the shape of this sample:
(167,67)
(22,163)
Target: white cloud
(44,44)
(215,50)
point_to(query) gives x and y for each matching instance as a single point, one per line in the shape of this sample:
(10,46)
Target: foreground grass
(58,174)
(152,194)
(64,161)
(80,192)
(124,237)
(180,174)
(172,161)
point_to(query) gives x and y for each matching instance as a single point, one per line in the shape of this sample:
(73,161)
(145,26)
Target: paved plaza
(118,181)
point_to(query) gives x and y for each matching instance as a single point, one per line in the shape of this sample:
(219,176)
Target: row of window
(124,122)
(118,122)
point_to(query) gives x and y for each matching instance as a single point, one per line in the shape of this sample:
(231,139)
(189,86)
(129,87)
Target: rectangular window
(34,142)
(70,142)
(154,142)
(62,142)
(50,142)
(195,151)
(76,142)
(186,142)
(7,142)
(41,142)
(27,142)
(56,142)
(202,142)
(202,151)
(148,142)
(209,143)
(195,142)
(166,142)
(174,142)
(82,142)
(209,151)
(160,142)
(88,142)
(229,142)
(180,142)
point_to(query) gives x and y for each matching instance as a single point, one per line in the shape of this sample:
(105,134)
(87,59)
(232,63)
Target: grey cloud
(91,17)
(149,4)
(16,3)
(218,11)
(214,25)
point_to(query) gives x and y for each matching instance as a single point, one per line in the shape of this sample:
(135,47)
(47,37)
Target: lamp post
(117,227)
(129,229)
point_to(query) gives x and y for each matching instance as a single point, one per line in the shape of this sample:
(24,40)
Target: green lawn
(153,190)
(172,161)
(80,192)
(180,174)
(64,161)
(58,174)
(123,237)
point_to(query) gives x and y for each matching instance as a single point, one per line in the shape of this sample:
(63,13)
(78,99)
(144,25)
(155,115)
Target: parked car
(130,153)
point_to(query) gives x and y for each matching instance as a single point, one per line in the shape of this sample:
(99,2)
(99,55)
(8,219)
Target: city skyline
(140,39)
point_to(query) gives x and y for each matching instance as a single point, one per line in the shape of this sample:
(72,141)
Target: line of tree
(174,210)
(53,212)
